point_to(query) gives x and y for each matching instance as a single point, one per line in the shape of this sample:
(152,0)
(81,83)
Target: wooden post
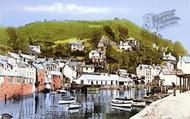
(186,84)
(180,85)
(188,80)
(183,84)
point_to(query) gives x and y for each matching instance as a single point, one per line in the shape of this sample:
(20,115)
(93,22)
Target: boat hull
(74,106)
(121,104)
(139,104)
(66,101)
(122,101)
(121,108)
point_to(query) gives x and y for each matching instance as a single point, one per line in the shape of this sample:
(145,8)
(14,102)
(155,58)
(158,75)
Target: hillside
(54,38)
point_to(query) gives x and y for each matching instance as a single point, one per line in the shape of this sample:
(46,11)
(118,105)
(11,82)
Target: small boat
(62,91)
(74,106)
(139,103)
(73,110)
(118,104)
(6,116)
(122,100)
(67,100)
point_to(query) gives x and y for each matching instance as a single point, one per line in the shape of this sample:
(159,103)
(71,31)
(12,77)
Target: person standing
(174,88)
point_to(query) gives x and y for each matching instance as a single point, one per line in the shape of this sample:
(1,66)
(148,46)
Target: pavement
(171,107)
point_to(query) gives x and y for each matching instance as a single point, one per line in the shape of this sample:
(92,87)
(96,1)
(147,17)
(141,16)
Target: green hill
(54,38)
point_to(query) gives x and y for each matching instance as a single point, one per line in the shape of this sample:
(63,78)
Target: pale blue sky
(20,12)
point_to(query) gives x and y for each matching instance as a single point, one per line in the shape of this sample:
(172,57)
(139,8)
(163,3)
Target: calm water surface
(94,106)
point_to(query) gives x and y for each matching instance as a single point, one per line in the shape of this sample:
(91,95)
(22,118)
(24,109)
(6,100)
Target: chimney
(164,53)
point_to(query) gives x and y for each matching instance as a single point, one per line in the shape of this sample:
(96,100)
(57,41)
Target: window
(10,80)
(1,81)
(31,81)
(19,80)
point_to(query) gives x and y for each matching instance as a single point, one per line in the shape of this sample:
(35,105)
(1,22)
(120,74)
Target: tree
(179,49)
(13,38)
(123,32)
(108,30)
(15,42)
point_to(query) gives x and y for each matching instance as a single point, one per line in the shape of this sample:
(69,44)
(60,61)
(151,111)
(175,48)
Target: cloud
(67,8)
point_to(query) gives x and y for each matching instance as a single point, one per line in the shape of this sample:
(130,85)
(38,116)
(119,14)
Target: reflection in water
(46,106)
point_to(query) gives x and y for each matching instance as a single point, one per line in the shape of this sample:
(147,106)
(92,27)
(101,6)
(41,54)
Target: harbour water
(95,105)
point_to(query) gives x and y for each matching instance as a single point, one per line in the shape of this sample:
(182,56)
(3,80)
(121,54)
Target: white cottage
(124,46)
(35,49)
(97,56)
(168,77)
(88,69)
(77,46)
(184,64)
(169,57)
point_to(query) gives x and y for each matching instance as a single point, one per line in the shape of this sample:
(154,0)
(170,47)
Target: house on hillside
(184,64)
(89,69)
(155,46)
(34,49)
(104,41)
(122,72)
(13,58)
(168,65)
(169,58)
(96,56)
(27,58)
(133,42)
(125,46)
(76,46)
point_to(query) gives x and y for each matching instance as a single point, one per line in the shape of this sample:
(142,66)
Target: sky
(20,12)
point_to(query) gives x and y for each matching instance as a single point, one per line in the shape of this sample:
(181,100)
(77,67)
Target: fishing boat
(122,102)
(73,110)
(6,116)
(74,106)
(139,103)
(67,100)
(118,104)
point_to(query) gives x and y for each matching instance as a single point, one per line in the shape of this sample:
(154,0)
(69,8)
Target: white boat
(122,100)
(73,110)
(67,100)
(74,106)
(118,104)
(139,103)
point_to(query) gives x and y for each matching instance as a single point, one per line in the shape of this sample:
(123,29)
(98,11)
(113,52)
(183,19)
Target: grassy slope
(61,32)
